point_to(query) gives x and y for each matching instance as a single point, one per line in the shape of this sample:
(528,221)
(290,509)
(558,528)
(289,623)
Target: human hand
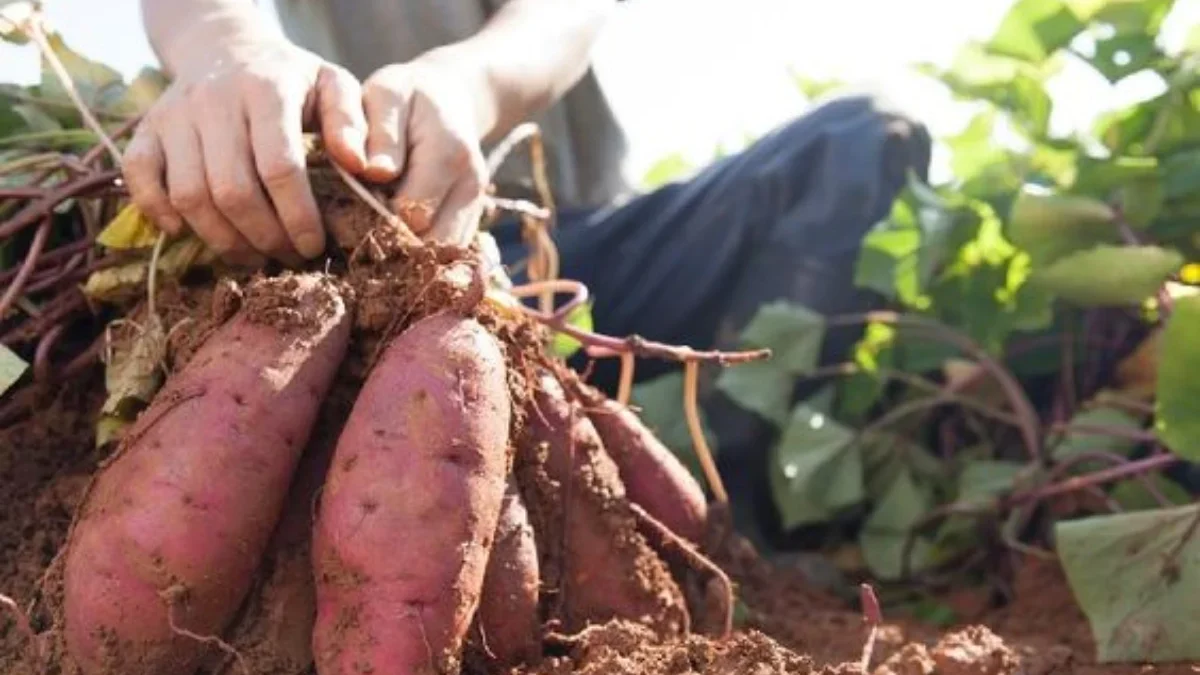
(222,152)
(422,127)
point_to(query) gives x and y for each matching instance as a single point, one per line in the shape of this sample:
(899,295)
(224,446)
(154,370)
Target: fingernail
(354,141)
(383,163)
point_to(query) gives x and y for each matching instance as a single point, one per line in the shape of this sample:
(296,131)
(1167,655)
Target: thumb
(343,125)
(386,107)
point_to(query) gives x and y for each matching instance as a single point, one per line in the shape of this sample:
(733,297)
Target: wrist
(468,68)
(190,48)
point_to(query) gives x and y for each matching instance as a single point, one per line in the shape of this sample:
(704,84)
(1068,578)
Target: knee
(835,171)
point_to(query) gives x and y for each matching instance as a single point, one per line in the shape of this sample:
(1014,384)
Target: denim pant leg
(691,261)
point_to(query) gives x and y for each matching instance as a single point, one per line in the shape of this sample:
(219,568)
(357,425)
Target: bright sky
(685,74)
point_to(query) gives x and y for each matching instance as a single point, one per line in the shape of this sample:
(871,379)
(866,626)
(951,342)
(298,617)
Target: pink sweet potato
(508,611)
(606,569)
(653,476)
(411,503)
(171,533)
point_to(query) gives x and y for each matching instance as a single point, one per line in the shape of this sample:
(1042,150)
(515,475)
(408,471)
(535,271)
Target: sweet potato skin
(508,611)
(653,476)
(606,569)
(411,503)
(174,526)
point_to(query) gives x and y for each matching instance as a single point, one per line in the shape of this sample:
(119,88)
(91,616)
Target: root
(26,628)
(169,596)
(719,587)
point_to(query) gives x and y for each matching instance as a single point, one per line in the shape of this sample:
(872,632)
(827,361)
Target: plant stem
(33,28)
(1098,478)
(691,376)
(18,283)
(625,385)
(1026,414)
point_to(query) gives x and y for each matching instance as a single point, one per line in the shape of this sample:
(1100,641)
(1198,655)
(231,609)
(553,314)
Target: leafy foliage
(1136,577)
(1075,241)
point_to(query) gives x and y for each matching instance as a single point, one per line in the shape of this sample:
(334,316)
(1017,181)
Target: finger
(187,185)
(431,175)
(234,187)
(144,168)
(458,217)
(387,119)
(277,138)
(343,122)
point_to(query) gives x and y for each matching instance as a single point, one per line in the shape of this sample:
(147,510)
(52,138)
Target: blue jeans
(691,262)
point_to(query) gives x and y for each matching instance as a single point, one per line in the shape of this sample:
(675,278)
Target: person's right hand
(222,152)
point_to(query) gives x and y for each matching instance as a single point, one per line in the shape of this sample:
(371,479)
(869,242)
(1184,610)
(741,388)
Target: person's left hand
(422,127)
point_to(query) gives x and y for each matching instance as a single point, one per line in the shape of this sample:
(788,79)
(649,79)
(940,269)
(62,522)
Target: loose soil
(789,627)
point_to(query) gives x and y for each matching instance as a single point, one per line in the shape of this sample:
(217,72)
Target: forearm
(528,56)
(190,34)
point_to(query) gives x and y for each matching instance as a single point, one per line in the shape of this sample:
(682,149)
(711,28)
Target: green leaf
(1136,576)
(1077,443)
(99,86)
(1034,29)
(564,346)
(661,403)
(792,332)
(887,528)
(1100,178)
(1128,41)
(816,469)
(1181,175)
(1109,275)
(1009,84)
(1048,226)
(761,387)
(1132,494)
(983,480)
(1141,201)
(12,367)
(1178,387)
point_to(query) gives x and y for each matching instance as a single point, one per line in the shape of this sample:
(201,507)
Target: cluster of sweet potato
(480,500)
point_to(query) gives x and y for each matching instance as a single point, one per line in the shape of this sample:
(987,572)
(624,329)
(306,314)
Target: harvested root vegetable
(653,476)
(508,620)
(605,568)
(411,503)
(167,542)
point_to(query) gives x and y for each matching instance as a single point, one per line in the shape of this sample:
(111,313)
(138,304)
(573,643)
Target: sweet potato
(606,569)
(171,533)
(653,476)
(411,503)
(508,610)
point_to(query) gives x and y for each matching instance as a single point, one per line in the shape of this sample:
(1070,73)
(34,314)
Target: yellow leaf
(115,282)
(129,229)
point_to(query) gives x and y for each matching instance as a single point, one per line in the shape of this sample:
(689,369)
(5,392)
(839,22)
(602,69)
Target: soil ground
(790,627)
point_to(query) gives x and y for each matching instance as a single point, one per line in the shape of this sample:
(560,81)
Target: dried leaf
(129,229)
(133,375)
(12,16)
(115,282)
